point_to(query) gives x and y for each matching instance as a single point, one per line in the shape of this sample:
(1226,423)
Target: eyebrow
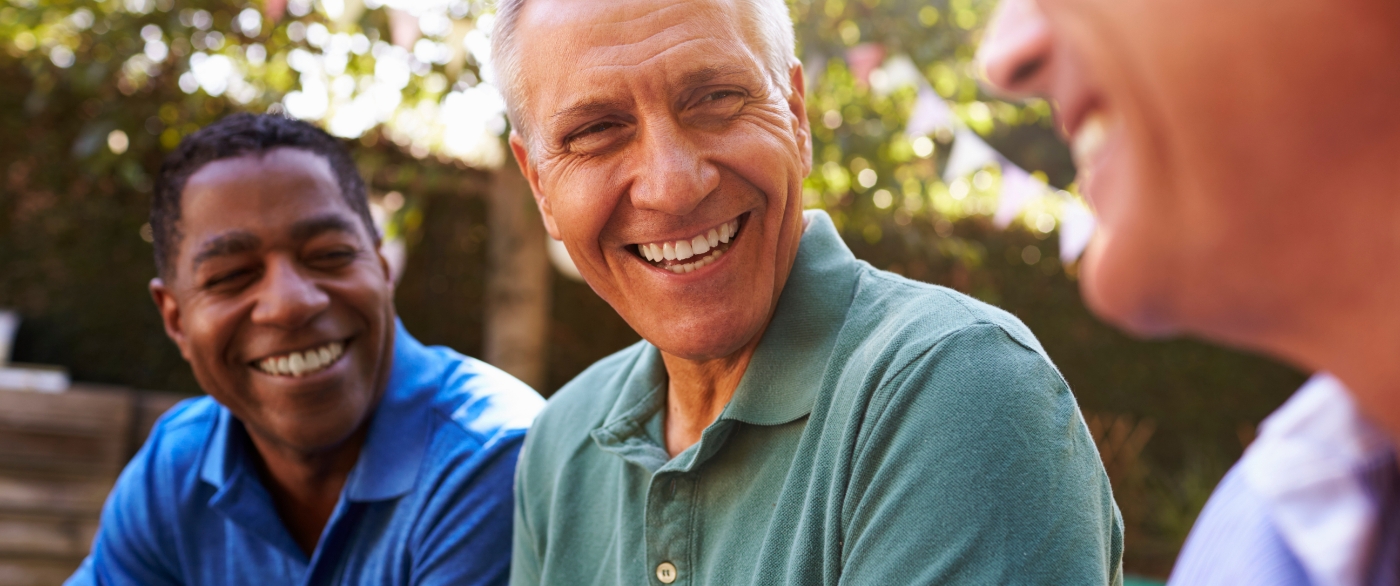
(589,107)
(239,241)
(312,227)
(710,73)
(228,243)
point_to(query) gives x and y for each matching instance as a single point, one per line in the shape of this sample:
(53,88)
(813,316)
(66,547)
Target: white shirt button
(666,572)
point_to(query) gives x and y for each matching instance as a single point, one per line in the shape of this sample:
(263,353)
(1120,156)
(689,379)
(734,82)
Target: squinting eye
(226,278)
(334,258)
(720,95)
(594,129)
(596,137)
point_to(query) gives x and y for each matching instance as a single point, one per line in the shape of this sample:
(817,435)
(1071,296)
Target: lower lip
(723,258)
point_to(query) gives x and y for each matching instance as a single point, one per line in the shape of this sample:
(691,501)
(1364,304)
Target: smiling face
(1233,151)
(667,162)
(279,299)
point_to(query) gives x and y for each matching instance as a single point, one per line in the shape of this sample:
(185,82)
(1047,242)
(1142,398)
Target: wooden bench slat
(22,534)
(37,571)
(54,495)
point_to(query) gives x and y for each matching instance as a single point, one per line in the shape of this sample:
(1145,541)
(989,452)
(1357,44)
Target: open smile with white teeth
(691,254)
(1089,140)
(299,364)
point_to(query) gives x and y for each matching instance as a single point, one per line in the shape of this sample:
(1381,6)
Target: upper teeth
(688,247)
(1089,140)
(303,363)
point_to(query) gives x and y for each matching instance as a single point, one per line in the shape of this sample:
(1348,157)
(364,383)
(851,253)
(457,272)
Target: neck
(698,391)
(1361,352)
(1333,306)
(305,486)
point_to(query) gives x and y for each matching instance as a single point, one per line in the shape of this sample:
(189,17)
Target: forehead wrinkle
(624,41)
(702,71)
(629,23)
(663,52)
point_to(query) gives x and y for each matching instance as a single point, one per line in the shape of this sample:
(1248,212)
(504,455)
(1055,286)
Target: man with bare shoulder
(333,448)
(792,416)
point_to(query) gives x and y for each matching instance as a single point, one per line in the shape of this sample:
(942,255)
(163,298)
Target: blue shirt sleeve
(464,536)
(133,546)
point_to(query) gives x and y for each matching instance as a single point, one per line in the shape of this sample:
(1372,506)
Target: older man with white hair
(793,416)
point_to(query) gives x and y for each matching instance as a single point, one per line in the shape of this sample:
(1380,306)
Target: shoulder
(890,302)
(579,407)
(481,400)
(142,514)
(902,330)
(927,364)
(178,439)
(584,402)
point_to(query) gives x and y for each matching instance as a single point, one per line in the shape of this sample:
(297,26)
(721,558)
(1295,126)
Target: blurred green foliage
(98,90)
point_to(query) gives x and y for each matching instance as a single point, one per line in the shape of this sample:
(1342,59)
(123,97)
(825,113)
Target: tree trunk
(517,281)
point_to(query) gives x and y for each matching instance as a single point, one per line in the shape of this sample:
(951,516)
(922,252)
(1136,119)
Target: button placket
(669,505)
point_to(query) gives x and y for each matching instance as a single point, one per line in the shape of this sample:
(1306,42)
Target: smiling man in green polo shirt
(793,415)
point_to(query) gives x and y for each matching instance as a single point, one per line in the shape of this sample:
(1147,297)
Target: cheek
(581,199)
(584,201)
(208,330)
(765,158)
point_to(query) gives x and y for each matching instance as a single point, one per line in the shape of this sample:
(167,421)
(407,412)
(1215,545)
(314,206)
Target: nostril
(1026,71)
(1015,52)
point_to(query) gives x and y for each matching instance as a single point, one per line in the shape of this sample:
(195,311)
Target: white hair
(767,24)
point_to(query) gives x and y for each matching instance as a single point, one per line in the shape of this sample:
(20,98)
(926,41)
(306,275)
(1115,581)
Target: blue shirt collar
(395,443)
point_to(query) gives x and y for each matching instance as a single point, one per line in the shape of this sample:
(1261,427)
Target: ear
(797,103)
(384,266)
(522,158)
(169,309)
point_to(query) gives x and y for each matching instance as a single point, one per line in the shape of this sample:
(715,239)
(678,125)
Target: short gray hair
(767,23)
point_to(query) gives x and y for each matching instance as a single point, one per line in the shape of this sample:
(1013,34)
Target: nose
(672,175)
(288,299)
(1015,53)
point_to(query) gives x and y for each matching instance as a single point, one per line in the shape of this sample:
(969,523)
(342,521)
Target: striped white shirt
(1312,502)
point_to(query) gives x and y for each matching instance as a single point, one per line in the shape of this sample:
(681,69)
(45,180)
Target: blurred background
(924,174)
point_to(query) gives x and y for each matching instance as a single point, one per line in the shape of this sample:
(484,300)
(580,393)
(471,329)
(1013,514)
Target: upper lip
(1073,118)
(687,233)
(298,348)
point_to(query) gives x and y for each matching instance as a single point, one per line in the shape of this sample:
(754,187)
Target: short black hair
(236,136)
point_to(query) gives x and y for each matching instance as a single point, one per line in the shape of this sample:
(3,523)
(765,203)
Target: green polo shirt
(886,432)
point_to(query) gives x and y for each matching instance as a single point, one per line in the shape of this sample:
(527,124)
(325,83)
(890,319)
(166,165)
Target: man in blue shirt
(333,448)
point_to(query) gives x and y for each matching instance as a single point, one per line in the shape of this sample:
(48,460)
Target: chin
(314,439)
(705,339)
(1119,291)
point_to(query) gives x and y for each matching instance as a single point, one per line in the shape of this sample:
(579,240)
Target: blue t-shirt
(428,502)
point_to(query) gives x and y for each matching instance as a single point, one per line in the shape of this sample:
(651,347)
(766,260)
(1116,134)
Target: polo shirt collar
(783,376)
(395,444)
(786,370)
(398,436)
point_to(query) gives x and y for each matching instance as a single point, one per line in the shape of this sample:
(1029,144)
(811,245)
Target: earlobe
(169,309)
(522,158)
